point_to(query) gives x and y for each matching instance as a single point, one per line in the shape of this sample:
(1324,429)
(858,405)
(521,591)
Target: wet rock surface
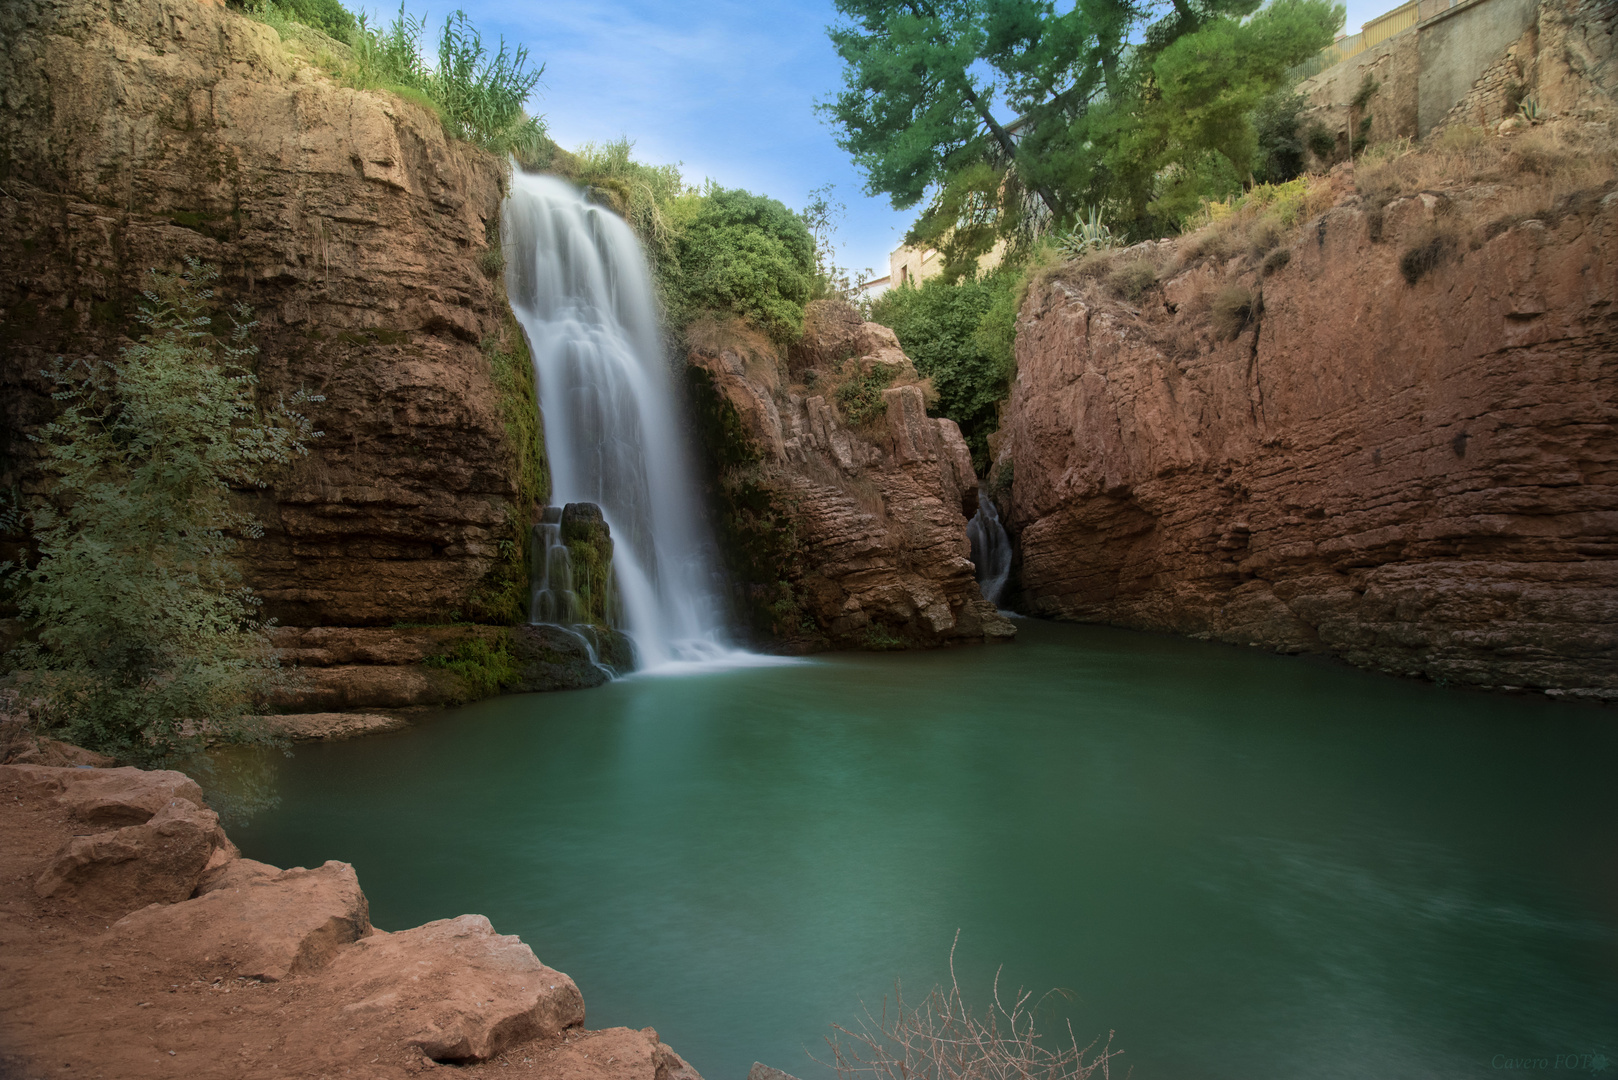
(556,658)
(344,671)
(268,972)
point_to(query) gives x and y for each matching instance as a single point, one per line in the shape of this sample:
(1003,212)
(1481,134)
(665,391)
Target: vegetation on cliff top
(960,336)
(713,250)
(141,640)
(477,95)
(1143,109)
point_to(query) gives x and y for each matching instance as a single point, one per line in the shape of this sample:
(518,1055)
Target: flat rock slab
(332,726)
(41,750)
(257,922)
(455,988)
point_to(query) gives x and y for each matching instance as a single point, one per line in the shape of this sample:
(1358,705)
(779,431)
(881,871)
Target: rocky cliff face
(1403,451)
(860,498)
(136,132)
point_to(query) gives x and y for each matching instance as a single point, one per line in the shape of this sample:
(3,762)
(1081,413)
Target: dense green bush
(141,640)
(744,254)
(712,251)
(860,396)
(1280,155)
(641,194)
(959,336)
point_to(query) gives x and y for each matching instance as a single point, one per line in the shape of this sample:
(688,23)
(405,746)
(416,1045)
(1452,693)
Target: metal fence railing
(1383,27)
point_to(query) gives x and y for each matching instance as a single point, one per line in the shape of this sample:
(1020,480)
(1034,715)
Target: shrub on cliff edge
(142,642)
(743,254)
(960,336)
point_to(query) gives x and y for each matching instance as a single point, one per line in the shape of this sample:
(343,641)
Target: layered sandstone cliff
(135,133)
(851,499)
(1406,455)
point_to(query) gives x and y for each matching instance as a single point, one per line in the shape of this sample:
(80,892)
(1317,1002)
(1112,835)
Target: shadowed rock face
(878,506)
(137,133)
(1419,478)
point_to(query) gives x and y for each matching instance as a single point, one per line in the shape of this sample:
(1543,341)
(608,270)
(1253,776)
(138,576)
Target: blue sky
(725,87)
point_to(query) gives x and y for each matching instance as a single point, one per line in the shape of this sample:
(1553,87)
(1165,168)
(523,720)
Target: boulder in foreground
(455,988)
(258,922)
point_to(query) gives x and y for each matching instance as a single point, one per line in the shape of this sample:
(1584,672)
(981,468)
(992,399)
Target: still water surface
(1245,865)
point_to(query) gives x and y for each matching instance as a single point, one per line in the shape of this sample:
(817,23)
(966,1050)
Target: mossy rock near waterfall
(589,548)
(558,658)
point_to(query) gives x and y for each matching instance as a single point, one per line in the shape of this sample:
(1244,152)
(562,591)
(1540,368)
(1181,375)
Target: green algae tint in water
(1246,865)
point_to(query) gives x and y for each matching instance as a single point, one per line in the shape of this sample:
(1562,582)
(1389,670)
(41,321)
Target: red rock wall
(878,509)
(136,132)
(1420,479)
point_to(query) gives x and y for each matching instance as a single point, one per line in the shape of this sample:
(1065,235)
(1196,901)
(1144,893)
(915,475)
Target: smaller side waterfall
(991,549)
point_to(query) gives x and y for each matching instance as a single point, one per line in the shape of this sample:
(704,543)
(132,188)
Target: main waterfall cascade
(580,287)
(991,549)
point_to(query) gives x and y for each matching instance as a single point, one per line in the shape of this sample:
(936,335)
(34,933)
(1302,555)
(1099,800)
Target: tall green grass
(479,96)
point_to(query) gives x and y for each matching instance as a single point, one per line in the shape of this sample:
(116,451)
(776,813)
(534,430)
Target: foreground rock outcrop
(157,963)
(845,503)
(1400,447)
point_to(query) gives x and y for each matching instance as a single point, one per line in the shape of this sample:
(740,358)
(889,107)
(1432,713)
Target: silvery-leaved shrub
(141,639)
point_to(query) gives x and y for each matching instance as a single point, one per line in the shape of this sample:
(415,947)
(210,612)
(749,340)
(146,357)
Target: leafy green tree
(142,641)
(1203,88)
(918,102)
(1115,101)
(1280,154)
(742,253)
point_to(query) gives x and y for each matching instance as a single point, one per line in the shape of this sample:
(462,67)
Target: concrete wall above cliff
(1472,64)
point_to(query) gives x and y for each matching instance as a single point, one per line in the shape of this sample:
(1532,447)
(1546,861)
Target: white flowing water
(991,549)
(580,287)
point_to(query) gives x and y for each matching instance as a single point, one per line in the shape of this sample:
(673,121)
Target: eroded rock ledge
(136,942)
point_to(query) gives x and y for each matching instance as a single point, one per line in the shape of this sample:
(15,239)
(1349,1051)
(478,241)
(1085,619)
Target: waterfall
(580,287)
(991,549)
